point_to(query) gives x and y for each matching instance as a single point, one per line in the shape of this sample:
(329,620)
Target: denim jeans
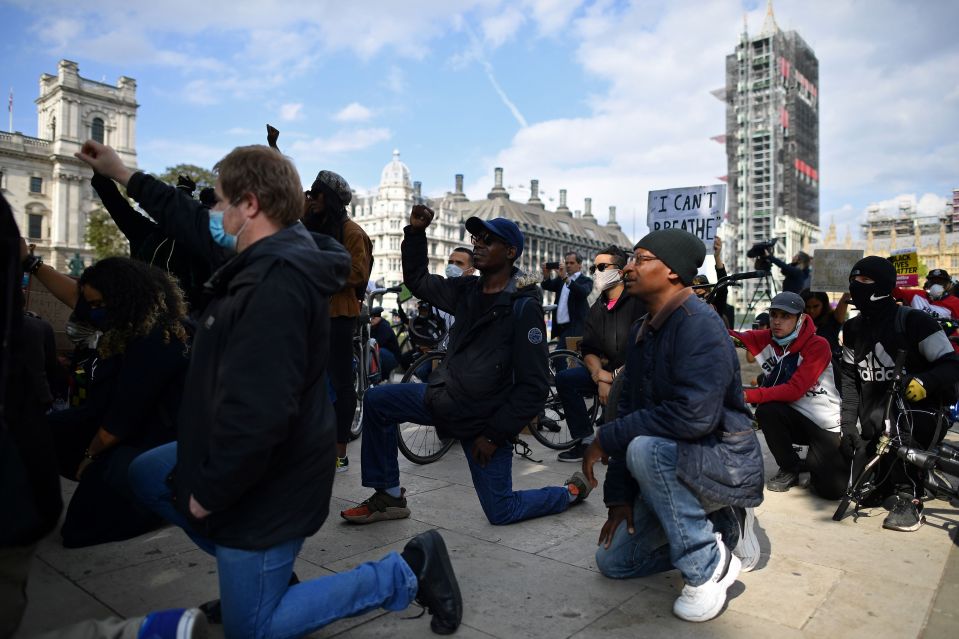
(387,364)
(672,527)
(255,595)
(385,406)
(572,385)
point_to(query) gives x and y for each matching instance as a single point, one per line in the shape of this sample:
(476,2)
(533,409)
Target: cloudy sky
(606,99)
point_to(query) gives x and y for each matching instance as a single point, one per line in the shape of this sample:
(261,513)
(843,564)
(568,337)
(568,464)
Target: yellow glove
(915,391)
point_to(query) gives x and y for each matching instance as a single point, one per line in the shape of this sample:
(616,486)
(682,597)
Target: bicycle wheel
(356,428)
(858,489)
(550,427)
(420,443)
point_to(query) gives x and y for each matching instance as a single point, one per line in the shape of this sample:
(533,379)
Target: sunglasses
(601,267)
(486,239)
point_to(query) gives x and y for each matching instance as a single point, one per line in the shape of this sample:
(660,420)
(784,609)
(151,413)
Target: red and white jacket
(801,374)
(946,306)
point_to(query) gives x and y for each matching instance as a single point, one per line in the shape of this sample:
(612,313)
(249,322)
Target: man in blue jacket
(685,466)
(492,382)
(251,473)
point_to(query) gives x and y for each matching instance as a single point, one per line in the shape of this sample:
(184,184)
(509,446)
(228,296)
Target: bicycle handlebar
(729,279)
(383,291)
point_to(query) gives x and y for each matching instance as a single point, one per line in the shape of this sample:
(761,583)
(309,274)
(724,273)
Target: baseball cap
(500,227)
(791,303)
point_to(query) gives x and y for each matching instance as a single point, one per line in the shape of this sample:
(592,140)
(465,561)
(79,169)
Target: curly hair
(139,298)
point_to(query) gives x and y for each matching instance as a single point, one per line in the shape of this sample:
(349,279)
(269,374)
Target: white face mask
(936,291)
(452,270)
(605,280)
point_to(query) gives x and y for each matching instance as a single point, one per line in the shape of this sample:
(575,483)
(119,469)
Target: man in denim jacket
(685,467)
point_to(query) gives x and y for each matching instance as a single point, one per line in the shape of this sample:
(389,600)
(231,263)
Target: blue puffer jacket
(683,382)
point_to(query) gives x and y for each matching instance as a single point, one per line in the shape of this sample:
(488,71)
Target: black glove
(184,182)
(850,443)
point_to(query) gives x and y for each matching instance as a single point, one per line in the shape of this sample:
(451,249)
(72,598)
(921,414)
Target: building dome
(396,173)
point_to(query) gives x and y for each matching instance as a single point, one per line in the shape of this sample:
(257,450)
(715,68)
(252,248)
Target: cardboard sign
(906,262)
(697,209)
(830,269)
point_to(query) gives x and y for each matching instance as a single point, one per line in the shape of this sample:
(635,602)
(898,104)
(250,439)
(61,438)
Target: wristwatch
(31,264)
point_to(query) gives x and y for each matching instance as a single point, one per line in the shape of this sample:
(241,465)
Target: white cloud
(344,141)
(395,80)
(353,112)
(291,112)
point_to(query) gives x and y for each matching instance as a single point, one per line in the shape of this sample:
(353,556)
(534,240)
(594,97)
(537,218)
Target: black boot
(437,591)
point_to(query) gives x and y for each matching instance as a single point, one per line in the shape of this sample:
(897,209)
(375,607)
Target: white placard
(830,269)
(696,209)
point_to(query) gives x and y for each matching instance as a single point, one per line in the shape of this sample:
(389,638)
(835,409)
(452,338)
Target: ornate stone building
(45,184)
(935,237)
(549,234)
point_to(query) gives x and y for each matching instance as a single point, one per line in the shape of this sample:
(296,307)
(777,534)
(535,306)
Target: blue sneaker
(179,623)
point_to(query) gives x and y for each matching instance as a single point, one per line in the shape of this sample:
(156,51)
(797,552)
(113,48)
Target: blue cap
(500,227)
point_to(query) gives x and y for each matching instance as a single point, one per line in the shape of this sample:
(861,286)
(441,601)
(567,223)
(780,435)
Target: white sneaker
(747,550)
(702,603)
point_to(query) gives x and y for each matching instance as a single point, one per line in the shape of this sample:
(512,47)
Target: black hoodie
(256,428)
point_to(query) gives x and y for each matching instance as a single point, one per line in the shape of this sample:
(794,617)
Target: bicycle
(897,420)
(366,358)
(421,444)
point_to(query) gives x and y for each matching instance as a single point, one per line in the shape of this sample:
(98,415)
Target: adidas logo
(877,366)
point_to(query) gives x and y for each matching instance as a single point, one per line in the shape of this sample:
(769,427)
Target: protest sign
(830,269)
(906,262)
(697,209)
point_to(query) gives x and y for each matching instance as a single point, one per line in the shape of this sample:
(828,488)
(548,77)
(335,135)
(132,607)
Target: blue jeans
(672,527)
(255,594)
(386,406)
(387,364)
(572,385)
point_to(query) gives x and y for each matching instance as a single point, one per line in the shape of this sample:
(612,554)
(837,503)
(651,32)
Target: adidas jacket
(800,374)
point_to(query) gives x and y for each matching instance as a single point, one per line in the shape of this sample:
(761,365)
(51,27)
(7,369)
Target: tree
(104,236)
(202,177)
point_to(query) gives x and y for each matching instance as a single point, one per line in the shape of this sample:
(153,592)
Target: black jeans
(783,426)
(340,370)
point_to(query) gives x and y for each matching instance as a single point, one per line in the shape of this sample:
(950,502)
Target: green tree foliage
(202,177)
(104,236)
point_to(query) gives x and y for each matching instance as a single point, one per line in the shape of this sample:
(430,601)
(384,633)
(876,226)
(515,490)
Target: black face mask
(868,298)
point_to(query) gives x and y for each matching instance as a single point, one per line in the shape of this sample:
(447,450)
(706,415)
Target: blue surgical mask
(783,341)
(452,270)
(99,318)
(219,235)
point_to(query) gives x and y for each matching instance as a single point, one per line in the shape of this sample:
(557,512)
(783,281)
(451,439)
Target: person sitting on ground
(381,331)
(685,466)
(796,273)
(326,214)
(798,402)
(935,296)
(251,473)
(492,382)
(828,320)
(702,292)
(871,341)
(133,397)
(603,348)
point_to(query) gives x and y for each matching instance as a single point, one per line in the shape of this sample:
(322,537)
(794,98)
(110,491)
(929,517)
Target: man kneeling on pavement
(685,466)
(798,399)
(492,382)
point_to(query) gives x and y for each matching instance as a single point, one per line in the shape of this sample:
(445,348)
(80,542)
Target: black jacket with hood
(494,378)
(256,428)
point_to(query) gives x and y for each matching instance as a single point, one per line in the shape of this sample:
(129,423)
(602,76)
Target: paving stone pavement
(539,579)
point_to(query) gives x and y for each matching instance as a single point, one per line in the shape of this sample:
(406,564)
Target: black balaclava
(875,298)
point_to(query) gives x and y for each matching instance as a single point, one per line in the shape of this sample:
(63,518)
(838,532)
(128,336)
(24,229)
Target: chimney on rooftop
(458,194)
(498,190)
(534,195)
(588,209)
(562,208)
(611,222)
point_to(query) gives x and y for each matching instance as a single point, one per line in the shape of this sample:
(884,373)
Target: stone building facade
(47,187)
(549,234)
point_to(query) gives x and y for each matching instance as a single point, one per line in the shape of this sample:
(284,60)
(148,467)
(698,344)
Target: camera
(552,265)
(759,249)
